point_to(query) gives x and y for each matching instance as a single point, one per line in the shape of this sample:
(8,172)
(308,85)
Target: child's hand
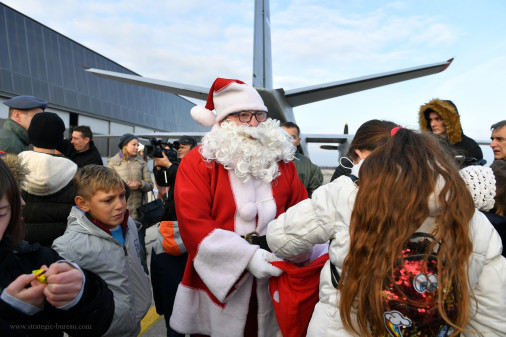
(134,185)
(33,295)
(64,283)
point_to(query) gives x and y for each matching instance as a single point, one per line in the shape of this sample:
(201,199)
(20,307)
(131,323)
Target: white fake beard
(249,151)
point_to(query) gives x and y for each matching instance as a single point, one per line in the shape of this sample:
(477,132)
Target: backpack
(410,294)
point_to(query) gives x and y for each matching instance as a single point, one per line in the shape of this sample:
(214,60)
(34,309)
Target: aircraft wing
(172,87)
(309,138)
(320,92)
(169,135)
(342,141)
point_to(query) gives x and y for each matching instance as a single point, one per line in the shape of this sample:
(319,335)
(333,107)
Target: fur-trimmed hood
(19,169)
(448,112)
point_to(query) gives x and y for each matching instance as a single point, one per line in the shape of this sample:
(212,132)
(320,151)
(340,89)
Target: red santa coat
(215,209)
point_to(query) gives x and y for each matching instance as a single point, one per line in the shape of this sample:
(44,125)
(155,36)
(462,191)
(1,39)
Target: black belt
(254,239)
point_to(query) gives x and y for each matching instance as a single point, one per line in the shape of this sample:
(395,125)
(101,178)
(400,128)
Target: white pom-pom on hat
(203,116)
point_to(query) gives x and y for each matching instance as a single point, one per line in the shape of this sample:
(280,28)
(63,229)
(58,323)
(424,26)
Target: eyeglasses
(246,116)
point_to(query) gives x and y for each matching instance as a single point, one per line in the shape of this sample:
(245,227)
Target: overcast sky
(195,41)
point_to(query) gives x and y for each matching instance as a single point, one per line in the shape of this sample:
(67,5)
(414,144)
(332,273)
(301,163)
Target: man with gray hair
(498,138)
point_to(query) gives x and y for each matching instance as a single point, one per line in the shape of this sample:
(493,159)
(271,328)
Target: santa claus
(227,191)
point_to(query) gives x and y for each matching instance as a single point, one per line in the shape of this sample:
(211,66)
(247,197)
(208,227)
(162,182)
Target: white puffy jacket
(327,217)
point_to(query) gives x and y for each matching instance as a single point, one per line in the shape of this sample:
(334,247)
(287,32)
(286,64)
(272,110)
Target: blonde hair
(92,178)
(126,155)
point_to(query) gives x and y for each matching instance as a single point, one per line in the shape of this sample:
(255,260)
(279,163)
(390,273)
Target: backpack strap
(354,179)
(416,235)
(334,274)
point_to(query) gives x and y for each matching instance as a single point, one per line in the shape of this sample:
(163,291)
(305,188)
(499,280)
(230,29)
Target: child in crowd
(407,185)
(485,187)
(101,236)
(73,300)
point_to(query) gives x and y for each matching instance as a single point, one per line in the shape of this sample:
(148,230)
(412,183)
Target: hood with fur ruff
(18,169)
(448,112)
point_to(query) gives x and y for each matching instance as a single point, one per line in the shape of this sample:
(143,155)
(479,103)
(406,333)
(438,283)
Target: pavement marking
(151,318)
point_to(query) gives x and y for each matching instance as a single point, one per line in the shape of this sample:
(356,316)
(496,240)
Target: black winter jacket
(499,223)
(49,195)
(90,317)
(90,156)
(46,215)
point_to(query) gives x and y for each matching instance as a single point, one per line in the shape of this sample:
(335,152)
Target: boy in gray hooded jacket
(101,237)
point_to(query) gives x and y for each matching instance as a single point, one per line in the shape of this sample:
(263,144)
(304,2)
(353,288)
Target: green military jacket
(309,173)
(13,138)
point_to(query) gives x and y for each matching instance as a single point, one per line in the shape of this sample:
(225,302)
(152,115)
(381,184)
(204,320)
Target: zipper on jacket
(125,250)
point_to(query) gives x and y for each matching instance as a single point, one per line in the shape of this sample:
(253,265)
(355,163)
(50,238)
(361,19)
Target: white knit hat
(227,96)
(480,181)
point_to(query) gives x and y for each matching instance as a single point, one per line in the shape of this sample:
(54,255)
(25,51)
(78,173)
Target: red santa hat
(227,96)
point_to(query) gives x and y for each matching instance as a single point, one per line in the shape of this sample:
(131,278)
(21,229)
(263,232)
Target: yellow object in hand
(40,275)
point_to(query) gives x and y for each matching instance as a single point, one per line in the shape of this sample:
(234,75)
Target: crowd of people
(406,239)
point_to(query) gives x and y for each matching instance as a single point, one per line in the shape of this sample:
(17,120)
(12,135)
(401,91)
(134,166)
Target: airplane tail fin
(262,56)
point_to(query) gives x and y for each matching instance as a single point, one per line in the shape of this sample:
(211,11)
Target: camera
(157,147)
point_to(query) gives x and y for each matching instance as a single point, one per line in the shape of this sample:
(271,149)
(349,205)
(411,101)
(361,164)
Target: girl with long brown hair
(407,185)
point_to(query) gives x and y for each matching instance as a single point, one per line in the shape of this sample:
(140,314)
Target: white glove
(260,267)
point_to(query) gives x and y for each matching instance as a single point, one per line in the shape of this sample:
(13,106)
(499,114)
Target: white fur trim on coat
(200,315)
(221,259)
(252,198)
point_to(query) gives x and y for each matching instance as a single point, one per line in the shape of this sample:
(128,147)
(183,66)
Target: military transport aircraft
(278,101)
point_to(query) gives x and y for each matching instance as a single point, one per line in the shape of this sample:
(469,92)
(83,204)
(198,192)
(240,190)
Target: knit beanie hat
(125,139)
(227,96)
(480,181)
(46,130)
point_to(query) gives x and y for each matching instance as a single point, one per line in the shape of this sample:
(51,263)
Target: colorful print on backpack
(410,294)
